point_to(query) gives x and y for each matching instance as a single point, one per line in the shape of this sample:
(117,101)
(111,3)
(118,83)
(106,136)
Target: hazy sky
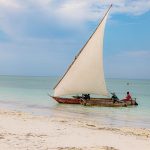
(41,37)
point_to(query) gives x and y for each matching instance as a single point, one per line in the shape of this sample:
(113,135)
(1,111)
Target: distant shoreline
(59,76)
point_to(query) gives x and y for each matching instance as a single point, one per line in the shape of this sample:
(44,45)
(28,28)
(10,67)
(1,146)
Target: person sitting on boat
(114,98)
(128,97)
(86,96)
(83,99)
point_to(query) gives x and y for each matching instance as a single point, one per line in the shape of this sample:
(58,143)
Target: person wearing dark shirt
(114,98)
(86,96)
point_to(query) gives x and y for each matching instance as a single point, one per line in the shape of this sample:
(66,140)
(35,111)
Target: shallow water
(30,94)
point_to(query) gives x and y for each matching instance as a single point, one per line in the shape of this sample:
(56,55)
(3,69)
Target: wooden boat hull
(108,102)
(105,102)
(67,100)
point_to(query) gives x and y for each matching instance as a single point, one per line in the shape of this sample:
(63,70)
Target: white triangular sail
(85,74)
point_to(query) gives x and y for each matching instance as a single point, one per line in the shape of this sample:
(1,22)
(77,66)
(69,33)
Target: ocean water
(30,94)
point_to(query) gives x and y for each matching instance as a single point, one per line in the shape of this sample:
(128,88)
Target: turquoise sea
(30,94)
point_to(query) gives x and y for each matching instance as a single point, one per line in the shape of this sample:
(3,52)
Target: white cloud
(12,4)
(77,9)
(14,14)
(73,10)
(88,10)
(133,7)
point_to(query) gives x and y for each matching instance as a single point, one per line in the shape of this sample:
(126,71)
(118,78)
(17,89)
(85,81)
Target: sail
(86,74)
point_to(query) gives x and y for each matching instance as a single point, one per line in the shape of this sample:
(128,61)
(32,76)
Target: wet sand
(24,131)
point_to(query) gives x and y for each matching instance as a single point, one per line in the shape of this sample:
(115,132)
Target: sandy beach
(24,131)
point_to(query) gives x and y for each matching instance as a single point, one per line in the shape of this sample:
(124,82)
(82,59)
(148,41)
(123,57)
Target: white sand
(21,131)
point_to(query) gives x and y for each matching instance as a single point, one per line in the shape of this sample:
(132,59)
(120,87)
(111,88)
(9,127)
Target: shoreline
(115,117)
(20,130)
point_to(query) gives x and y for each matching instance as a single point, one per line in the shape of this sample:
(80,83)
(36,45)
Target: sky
(42,37)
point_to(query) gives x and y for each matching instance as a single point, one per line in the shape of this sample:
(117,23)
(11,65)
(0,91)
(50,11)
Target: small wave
(37,106)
